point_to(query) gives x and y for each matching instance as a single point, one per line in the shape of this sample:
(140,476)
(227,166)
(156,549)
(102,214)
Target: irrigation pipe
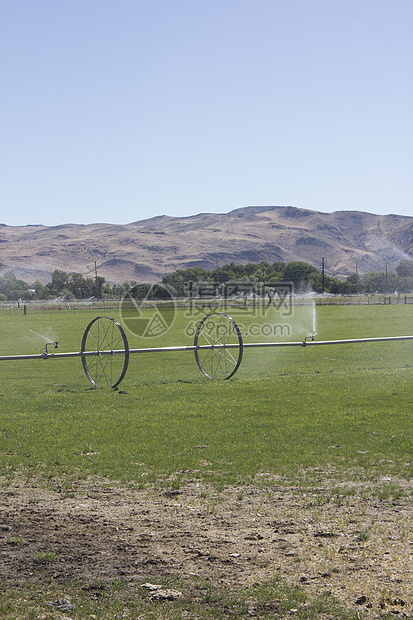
(218,348)
(303,343)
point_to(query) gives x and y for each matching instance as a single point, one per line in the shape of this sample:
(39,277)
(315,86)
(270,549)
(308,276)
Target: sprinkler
(311,337)
(218,348)
(49,344)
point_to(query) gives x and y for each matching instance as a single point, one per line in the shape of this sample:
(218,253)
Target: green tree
(98,286)
(107,290)
(14,289)
(82,288)
(333,285)
(352,284)
(139,291)
(176,281)
(59,282)
(315,280)
(180,279)
(40,291)
(119,290)
(405,268)
(374,282)
(77,285)
(299,273)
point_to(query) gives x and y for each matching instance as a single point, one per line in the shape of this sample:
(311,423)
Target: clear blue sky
(120,110)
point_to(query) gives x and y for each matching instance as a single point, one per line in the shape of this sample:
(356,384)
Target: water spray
(314,334)
(40,336)
(48,343)
(218,348)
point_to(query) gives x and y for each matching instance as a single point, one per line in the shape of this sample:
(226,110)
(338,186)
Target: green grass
(341,411)
(345,408)
(109,601)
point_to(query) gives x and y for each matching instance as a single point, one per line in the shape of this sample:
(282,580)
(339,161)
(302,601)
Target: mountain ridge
(146,250)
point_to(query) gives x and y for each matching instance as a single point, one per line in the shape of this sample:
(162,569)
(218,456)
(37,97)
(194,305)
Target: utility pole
(357,273)
(322,274)
(96,281)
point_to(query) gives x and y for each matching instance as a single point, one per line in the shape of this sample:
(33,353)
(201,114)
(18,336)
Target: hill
(148,249)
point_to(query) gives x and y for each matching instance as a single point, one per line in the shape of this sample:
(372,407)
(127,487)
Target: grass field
(285,411)
(288,416)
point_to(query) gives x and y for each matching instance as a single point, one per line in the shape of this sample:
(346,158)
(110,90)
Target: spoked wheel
(105,352)
(219,346)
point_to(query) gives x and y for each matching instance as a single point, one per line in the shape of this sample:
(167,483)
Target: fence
(107,304)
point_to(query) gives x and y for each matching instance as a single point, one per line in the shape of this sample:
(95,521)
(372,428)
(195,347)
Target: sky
(121,110)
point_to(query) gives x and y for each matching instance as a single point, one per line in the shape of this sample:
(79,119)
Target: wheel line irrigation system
(218,348)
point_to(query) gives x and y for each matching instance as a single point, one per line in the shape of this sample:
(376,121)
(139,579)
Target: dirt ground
(356,545)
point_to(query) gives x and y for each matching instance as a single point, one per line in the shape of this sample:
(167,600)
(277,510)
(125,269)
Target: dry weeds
(352,541)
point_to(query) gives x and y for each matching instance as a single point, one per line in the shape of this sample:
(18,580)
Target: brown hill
(148,249)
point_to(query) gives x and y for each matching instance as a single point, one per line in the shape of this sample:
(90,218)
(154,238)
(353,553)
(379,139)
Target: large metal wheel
(105,352)
(219,346)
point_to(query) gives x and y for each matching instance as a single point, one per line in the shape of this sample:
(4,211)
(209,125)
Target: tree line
(305,278)
(66,285)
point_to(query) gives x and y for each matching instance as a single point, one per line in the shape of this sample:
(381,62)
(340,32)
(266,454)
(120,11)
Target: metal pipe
(308,343)
(303,343)
(46,356)
(263,344)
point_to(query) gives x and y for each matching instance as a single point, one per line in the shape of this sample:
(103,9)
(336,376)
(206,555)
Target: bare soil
(357,545)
